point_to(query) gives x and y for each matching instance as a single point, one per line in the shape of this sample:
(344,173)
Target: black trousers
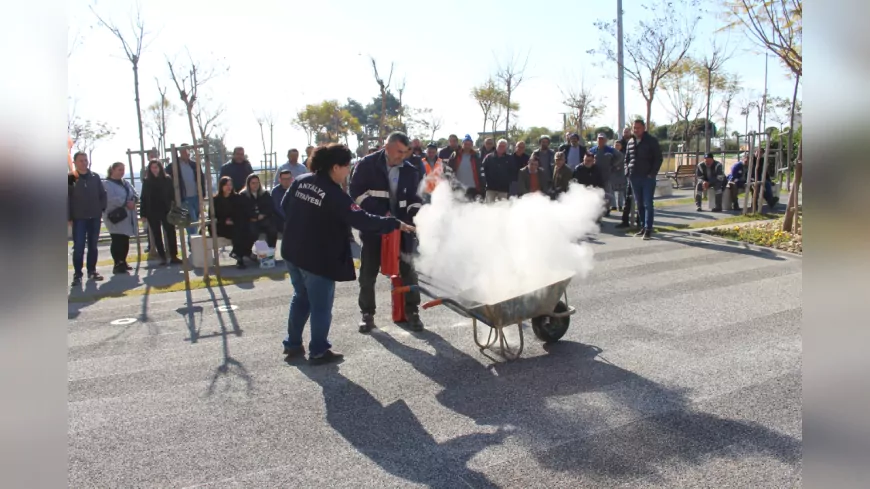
(158,227)
(370,267)
(626,209)
(119,248)
(240,235)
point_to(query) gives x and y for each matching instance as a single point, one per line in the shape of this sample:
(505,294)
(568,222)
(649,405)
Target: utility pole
(621,71)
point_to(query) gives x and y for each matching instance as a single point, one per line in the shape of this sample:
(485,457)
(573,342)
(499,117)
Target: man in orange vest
(434,168)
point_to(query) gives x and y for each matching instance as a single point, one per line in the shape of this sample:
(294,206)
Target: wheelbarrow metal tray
(532,304)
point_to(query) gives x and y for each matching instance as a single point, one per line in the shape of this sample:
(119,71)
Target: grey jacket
(524,181)
(117,196)
(86,197)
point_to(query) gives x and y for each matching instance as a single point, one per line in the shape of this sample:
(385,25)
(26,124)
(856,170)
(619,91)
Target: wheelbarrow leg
(490,339)
(505,348)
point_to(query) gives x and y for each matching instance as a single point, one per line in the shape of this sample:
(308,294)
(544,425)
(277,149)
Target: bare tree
(774,25)
(157,118)
(684,92)
(435,122)
(487,97)
(711,65)
(511,73)
(732,89)
(495,116)
(384,86)
(133,45)
(658,46)
(86,135)
(746,106)
(207,119)
(401,90)
(583,104)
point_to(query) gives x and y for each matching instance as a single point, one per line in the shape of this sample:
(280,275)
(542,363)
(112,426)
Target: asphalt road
(681,368)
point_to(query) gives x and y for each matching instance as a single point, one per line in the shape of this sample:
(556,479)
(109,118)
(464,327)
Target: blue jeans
(85,231)
(643,188)
(312,296)
(192,205)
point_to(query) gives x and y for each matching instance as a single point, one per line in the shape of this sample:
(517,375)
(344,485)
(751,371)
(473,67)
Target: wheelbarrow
(546,307)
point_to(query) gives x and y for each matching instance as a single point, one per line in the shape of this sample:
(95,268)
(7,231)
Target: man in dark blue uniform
(318,213)
(384,182)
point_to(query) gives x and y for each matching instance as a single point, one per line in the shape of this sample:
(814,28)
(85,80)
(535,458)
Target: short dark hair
(79,153)
(453,136)
(640,121)
(238,148)
(285,172)
(292,150)
(398,136)
(326,157)
(183,145)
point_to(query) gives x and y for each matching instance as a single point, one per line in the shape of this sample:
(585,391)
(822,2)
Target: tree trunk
(383,115)
(791,129)
(508,119)
(141,139)
(649,102)
(789,223)
(707,120)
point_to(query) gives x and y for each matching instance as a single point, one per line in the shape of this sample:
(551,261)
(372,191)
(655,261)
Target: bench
(683,173)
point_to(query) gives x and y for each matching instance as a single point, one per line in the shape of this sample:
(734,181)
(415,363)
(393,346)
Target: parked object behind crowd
(238,169)
(261,210)
(158,193)
(533,178)
(120,215)
(86,201)
(318,210)
(232,217)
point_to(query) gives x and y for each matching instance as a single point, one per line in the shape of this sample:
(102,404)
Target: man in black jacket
(644,160)
(588,174)
(86,201)
(238,169)
(498,172)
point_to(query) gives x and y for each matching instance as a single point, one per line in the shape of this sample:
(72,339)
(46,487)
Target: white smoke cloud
(496,251)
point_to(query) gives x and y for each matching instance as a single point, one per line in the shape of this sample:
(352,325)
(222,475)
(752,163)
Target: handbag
(178,216)
(119,214)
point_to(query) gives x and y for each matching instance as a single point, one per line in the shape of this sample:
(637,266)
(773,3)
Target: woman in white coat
(120,215)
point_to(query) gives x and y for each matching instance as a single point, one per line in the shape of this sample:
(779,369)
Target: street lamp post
(619,61)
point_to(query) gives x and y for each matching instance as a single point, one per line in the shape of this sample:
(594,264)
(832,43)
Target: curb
(698,233)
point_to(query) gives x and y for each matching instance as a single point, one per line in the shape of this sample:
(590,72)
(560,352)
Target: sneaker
(328,356)
(367,323)
(640,233)
(622,225)
(77,280)
(647,235)
(414,323)
(700,209)
(294,352)
(94,276)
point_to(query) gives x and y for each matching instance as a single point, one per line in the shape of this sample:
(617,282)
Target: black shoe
(700,209)
(119,269)
(620,209)
(640,233)
(240,264)
(414,323)
(622,225)
(77,280)
(647,235)
(94,276)
(328,356)
(294,352)
(127,266)
(717,209)
(367,323)
(175,260)
(736,208)
(613,208)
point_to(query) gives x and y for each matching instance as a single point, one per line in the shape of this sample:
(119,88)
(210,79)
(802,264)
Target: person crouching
(260,209)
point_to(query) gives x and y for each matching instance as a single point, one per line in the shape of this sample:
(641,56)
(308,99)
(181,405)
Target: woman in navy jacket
(318,214)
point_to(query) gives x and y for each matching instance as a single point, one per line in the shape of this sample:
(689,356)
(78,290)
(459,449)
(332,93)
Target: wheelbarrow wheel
(550,329)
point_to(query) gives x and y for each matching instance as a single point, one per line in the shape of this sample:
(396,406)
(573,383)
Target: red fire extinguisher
(398,299)
(390,253)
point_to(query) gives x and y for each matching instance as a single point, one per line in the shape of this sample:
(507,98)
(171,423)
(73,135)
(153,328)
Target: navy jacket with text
(370,189)
(318,214)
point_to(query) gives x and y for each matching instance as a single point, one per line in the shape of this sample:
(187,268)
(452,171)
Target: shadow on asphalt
(230,366)
(740,249)
(522,401)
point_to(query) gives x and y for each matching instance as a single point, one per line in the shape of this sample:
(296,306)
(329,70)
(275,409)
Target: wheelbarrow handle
(571,310)
(433,303)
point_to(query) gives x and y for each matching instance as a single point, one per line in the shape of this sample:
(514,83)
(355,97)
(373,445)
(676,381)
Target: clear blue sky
(283,55)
